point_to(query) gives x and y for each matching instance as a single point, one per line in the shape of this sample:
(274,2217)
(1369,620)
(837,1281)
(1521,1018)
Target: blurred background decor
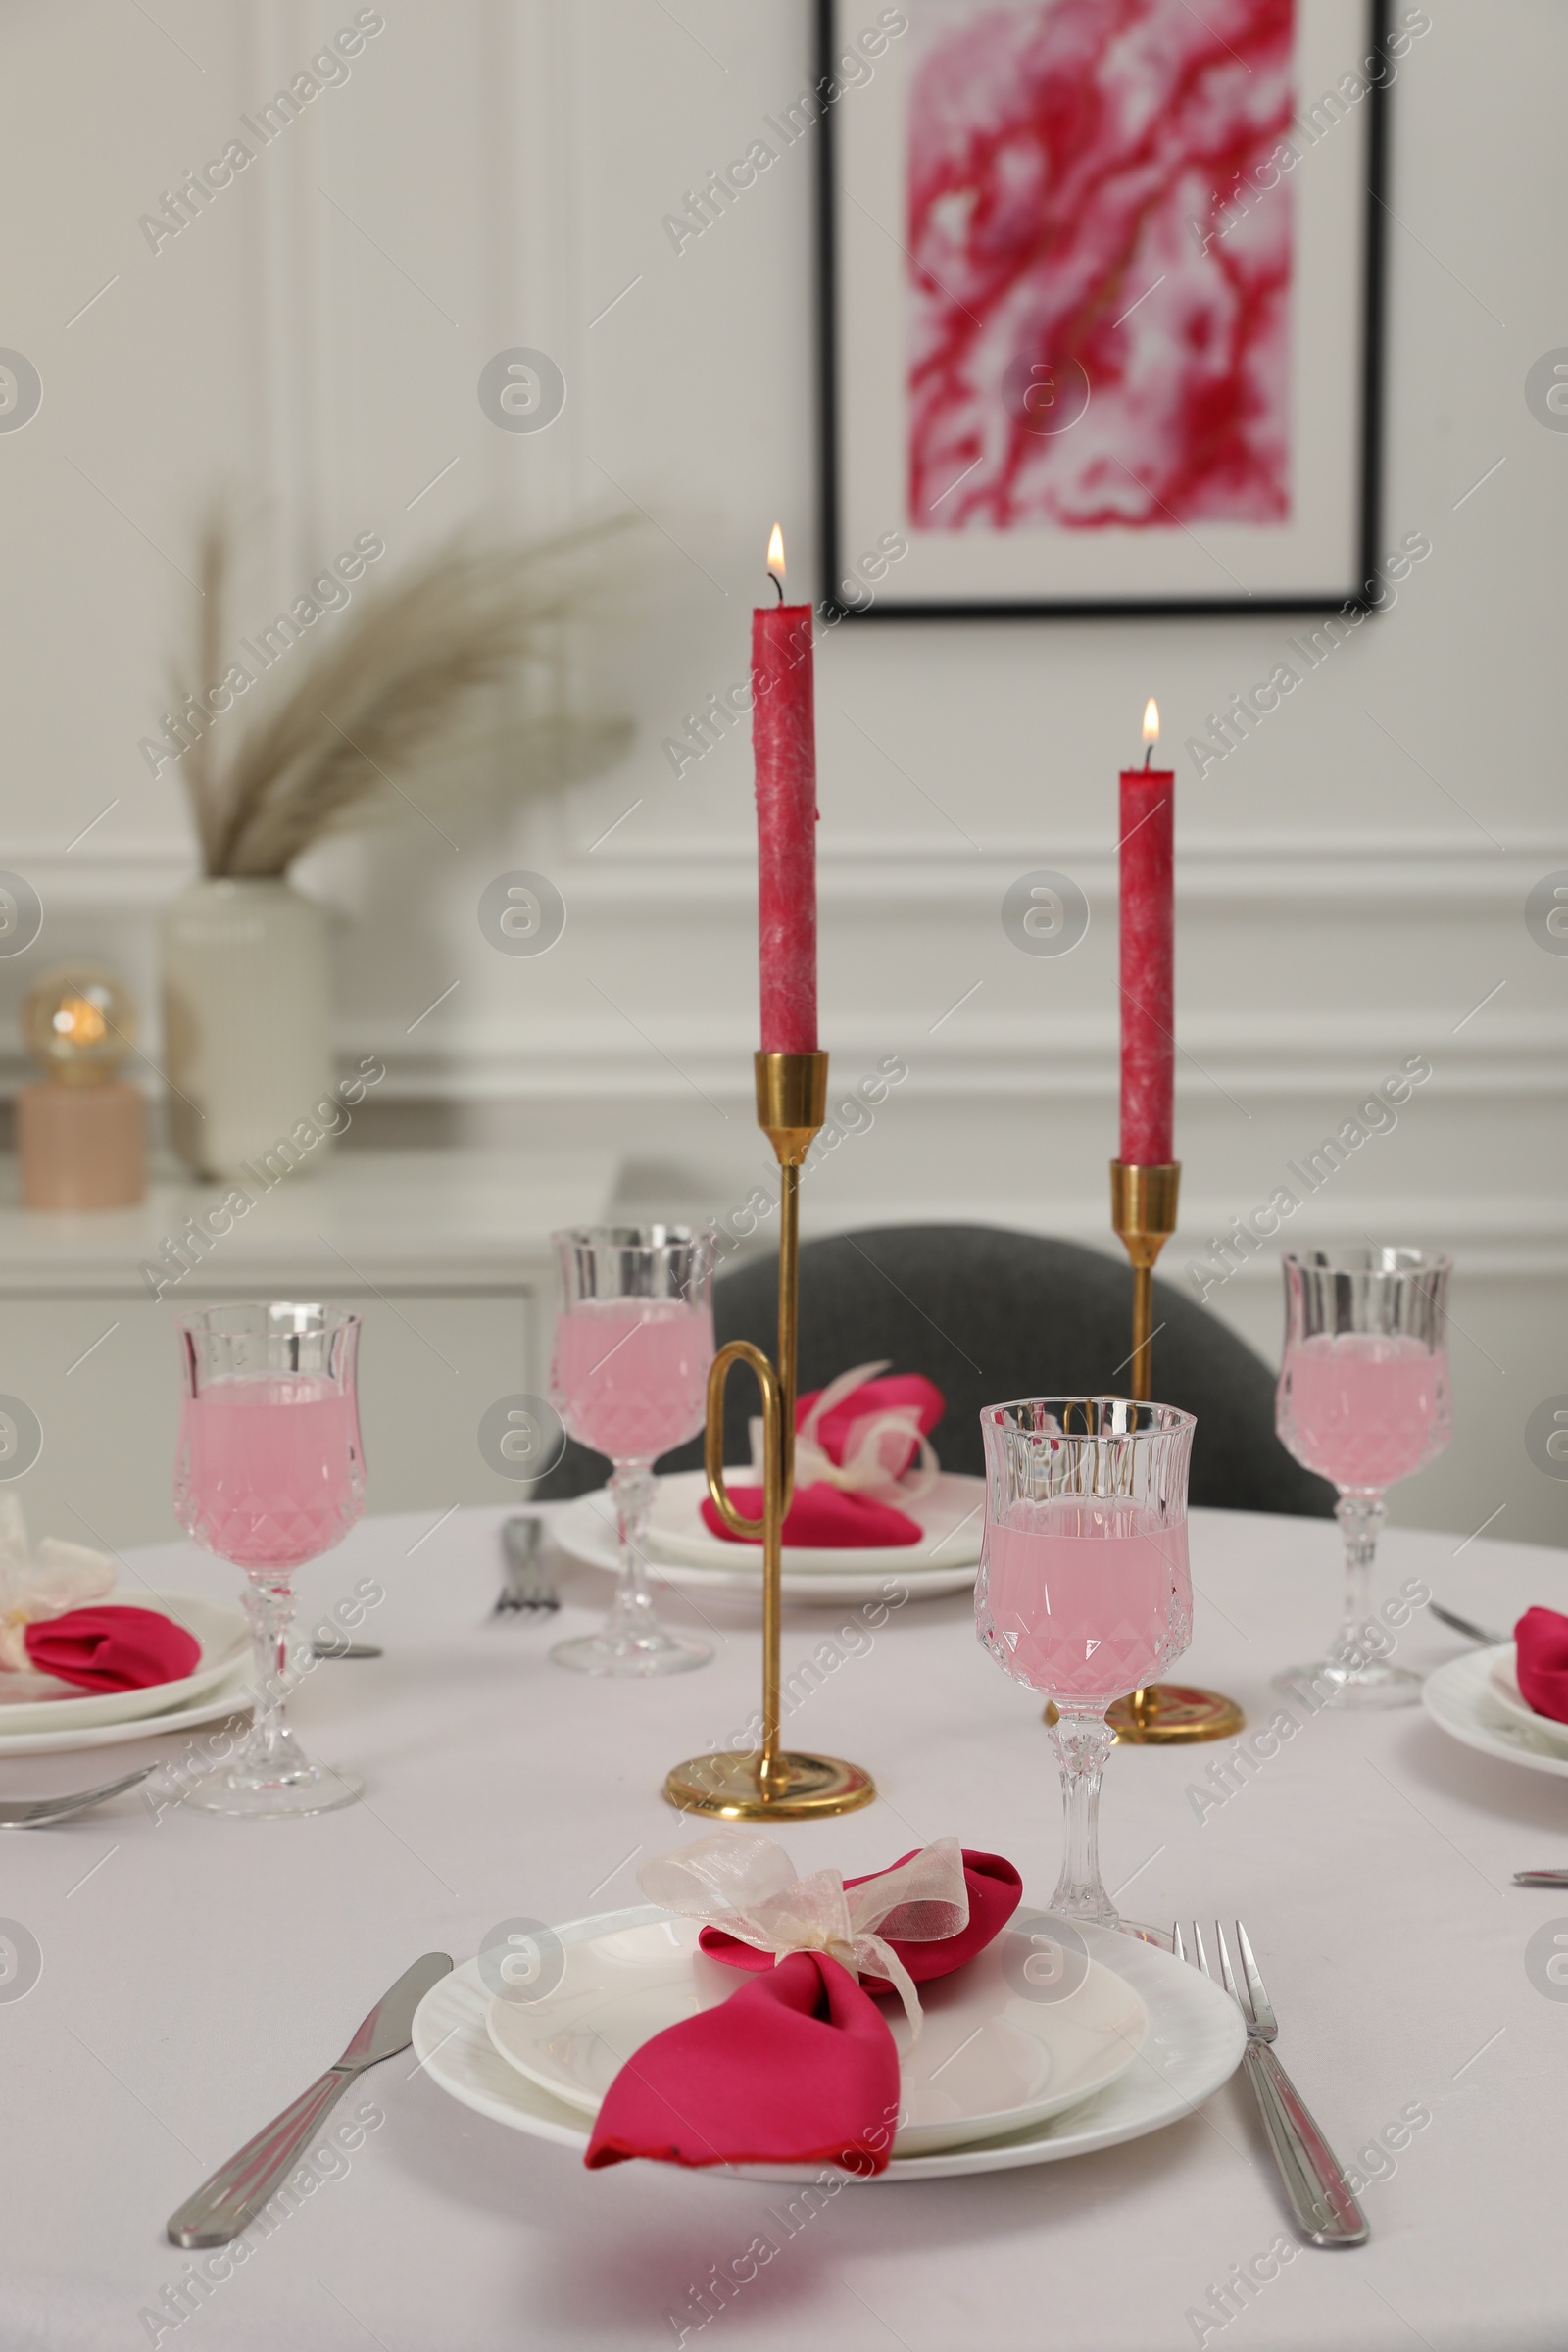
(246,986)
(82,1129)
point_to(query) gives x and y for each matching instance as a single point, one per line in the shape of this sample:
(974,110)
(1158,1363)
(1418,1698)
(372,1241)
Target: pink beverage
(630,1375)
(1085,1600)
(271,1470)
(1364,1408)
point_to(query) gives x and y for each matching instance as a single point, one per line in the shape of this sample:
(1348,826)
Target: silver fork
(526,1587)
(38,1812)
(1321,2200)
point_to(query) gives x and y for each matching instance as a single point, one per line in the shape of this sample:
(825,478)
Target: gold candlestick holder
(771,1784)
(1143,1213)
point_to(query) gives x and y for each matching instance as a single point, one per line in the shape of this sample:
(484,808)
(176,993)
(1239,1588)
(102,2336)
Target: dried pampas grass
(405,666)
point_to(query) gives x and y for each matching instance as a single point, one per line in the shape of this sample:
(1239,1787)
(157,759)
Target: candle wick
(1148,753)
(778,584)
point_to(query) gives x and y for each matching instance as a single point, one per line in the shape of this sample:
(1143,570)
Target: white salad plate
(1465,1700)
(989,2058)
(40,1702)
(1181,2036)
(945,1561)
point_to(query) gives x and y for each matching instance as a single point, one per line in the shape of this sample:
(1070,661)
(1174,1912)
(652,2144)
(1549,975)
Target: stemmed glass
(634,1340)
(269,1473)
(1084,1590)
(1363,1399)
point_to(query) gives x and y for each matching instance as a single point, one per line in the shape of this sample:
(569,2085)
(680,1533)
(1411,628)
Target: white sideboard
(445,1254)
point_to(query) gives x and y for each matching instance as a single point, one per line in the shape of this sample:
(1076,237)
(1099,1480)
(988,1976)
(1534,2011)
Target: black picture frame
(832,19)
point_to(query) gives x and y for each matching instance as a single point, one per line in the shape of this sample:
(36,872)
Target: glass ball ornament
(79,1023)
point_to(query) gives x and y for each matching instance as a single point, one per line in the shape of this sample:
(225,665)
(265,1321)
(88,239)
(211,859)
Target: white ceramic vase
(247,1024)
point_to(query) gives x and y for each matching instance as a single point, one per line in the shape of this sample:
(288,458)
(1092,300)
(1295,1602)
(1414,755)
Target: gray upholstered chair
(990,1315)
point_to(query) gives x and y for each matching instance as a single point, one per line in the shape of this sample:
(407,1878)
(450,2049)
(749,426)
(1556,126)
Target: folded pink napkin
(1541,1662)
(112,1648)
(855,1439)
(822,1518)
(798,2066)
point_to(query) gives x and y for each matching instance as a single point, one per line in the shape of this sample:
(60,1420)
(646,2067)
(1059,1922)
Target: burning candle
(1148,946)
(784,745)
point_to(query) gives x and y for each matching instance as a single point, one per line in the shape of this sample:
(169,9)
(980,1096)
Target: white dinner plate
(1503,1684)
(586,1530)
(218,1625)
(230,1698)
(988,2059)
(1193,2042)
(1463,1699)
(952,1515)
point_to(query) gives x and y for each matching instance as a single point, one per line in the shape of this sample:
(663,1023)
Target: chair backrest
(989,1315)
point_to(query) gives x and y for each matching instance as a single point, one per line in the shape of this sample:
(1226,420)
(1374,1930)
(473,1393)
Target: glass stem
(1084,1739)
(1361,1517)
(269,1751)
(632,1489)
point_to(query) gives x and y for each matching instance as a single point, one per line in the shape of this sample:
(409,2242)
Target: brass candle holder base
(771,1784)
(1143,1214)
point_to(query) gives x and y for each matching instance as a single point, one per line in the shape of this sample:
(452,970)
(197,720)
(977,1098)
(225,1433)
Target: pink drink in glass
(1364,1408)
(271,1469)
(1087,1598)
(630,1375)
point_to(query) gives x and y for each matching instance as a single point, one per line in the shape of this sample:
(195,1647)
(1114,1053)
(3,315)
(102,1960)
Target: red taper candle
(784,745)
(1147,954)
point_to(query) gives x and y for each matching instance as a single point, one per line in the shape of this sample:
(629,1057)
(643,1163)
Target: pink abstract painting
(1100,267)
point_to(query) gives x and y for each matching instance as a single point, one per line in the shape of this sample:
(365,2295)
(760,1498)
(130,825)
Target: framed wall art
(1101,301)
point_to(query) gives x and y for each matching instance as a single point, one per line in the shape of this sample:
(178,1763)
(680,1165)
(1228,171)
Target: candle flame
(1152,721)
(775,554)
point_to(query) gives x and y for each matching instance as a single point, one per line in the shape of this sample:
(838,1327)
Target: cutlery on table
(526,1589)
(1540,1878)
(1467,1626)
(238,2189)
(346,1649)
(38,1812)
(1325,2209)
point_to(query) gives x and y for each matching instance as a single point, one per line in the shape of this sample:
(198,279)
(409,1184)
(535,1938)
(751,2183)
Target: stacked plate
(682,1550)
(40,1715)
(1477,1701)
(1000,2076)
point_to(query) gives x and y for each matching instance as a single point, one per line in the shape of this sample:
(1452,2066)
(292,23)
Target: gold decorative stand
(771,1784)
(1143,1212)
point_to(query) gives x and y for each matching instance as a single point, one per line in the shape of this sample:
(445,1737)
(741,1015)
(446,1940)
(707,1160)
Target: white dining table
(198,1973)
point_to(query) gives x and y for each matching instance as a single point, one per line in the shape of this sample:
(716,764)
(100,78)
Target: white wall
(495,174)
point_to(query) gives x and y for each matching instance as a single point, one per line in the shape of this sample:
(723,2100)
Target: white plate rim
(233,1697)
(579,1531)
(1042,2110)
(90,1708)
(449,2021)
(1449,1695)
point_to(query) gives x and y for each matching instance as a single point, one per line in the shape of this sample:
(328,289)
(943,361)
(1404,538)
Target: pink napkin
(822,1518)
(1541,1639)
(836,1429)
(112,1648)
(797,2067)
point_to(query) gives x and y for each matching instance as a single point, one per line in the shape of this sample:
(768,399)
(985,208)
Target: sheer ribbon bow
(740,1881)
(876,1449)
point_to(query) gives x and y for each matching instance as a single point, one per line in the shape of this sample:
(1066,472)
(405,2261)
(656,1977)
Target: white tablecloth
(197,1973)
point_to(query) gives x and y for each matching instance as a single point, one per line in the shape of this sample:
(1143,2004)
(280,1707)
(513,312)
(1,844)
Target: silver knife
(1540,1878)
(239,2188)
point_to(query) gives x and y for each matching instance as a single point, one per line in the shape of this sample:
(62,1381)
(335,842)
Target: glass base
(292,1795)
(631,1657)
(1332,1685)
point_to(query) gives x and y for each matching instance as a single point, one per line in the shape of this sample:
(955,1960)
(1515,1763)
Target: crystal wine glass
(1084,1591)
(1363,1399)
(269,1473)
(634,1340)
